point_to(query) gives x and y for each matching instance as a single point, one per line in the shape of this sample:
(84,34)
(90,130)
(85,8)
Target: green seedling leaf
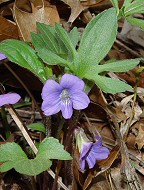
(22,54)
(52,59)
(115,4)
(97,40)
(37,41)
(118,66)
(52,149)
(13,156)
(37,127)
(136,22)
(127,3)
(137,6)
(63,35)
(50,40)
(49,37)
(109,85)
(74,36)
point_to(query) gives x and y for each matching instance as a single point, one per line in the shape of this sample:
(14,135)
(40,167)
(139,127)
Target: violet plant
(89,151)
(64,96)
(2,56)
(128,11)
(9,98)
(55,46)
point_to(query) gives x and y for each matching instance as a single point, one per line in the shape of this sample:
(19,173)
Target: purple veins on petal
(66,108)
(2,56)
(9,98)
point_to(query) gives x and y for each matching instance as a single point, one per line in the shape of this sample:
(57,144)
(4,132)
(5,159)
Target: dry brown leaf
(78,175)
(88,180)
(133,33)
(76,8)
(106,164)
(3,1)
(140,138)
(26,21)
(118,179)
(8,29)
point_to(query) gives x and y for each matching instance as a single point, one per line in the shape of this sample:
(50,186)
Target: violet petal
(2,56)
(96,153)
(51,109)
(100,152)
(50,86)
(86,147)
(98,140)
(80,99)
(69,81)
(82,164)
(9,98)
(50,100)
(66,109)
(91,160)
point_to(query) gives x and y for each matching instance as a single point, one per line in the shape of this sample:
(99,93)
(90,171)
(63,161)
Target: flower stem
(5,122)
(48,126)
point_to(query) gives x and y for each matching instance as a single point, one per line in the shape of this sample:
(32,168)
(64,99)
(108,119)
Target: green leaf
(49,37)
(10,152)
(52,149)
(126,3)
(51,58)
(115,4)
(37,41)
(135,7)
(74,36)
(51,40)
(136,22)
(109,85)
(97,40)
(37,127)
(13,156)
(22,54)
(63,35)
(6,166)
(118,66)
(32,167)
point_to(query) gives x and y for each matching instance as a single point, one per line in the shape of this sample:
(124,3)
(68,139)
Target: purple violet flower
(9,98)
(65,96)
(2,56)
(89,151)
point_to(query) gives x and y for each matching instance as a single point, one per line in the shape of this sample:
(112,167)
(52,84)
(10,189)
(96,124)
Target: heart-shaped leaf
(13,156)
(52,149)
